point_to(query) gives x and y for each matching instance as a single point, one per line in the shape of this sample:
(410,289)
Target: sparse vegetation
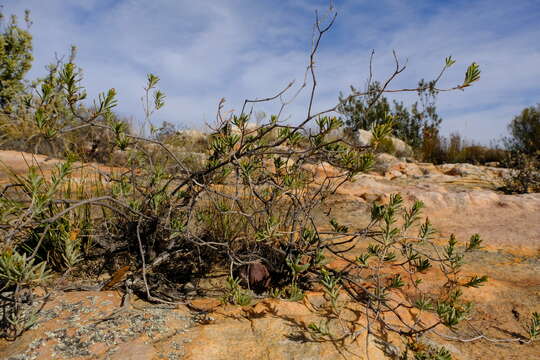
(418,126)
(525,172)
(523,155)
(251,201)
(455,149)
(525,131)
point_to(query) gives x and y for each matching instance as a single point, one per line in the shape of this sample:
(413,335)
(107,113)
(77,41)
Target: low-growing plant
(331,286)
(420,351)
(19,273)
(534,326)
(320,331)
(524,175)
(393,248)
(235,294)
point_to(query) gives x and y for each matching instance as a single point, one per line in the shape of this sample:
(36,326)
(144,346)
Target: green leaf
(422,264)
(363,258)
(152,80)
(534,326)
(396,282)
(472,74)
(296,267)
(107,101)
(426,230)
(474,243)
(159,99)
(476,281)
(338,227)
(423,303)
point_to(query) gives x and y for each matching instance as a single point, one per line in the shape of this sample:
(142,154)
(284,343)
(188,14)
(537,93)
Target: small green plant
(294,293)
(15,56)
(524,173)
(235,294)
(19,270)
(534,327)
(421,351)
(297,269)
(394,247)
(331,286)
(276,293)
(320,332)
(18,275)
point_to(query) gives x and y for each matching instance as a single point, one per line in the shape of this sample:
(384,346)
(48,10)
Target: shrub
(523,157)
(40,116)
(432,148)
(525,131)
(15,59)
(457,150)
(362,112)
(524,175)
(411,126)
(385,146)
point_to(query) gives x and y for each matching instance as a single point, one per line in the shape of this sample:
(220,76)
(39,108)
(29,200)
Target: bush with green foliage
(418,127)
(36,116)
(454,149)
(252,202)
(524,174)
(525,131)
(412,126)
(523,157)
(15,59)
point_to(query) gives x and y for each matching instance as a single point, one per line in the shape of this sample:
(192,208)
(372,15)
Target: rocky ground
(460,199)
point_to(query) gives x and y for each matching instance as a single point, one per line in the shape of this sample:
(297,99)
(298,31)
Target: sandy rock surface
(18,162)
(459,198)
(464,202)
(93,325)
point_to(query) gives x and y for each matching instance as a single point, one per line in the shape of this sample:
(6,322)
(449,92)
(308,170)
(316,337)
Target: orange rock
(205,304)
(134,351)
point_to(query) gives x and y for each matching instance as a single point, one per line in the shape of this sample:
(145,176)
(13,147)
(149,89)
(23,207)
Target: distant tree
(524,152)
(366,111)
(412,126)
(525,131)
(15,58)
(408,124)
(166,130)
(455,146)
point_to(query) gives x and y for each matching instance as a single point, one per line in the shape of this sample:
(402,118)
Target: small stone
(205,304)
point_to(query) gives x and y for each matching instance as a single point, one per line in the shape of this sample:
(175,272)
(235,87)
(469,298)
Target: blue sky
(206,50)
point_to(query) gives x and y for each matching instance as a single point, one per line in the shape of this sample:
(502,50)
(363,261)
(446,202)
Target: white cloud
(235,49)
